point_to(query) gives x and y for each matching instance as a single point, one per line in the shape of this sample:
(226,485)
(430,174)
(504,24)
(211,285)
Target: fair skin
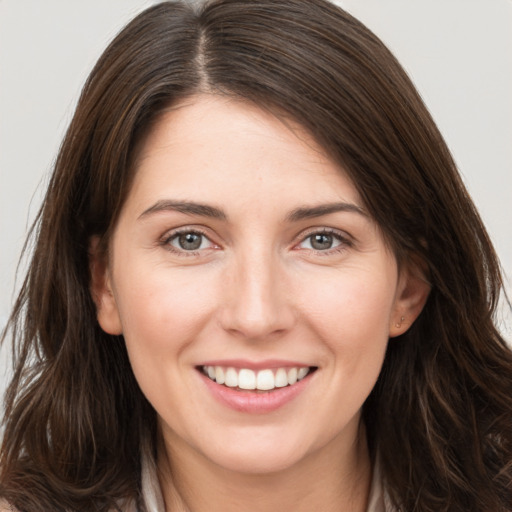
(242,246)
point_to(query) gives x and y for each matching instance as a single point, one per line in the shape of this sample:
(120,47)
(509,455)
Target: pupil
(190,241)
(321,241)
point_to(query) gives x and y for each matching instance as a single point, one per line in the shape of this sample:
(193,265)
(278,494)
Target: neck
(327,480)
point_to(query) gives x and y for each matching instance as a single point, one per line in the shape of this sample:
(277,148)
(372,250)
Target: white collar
(378,500)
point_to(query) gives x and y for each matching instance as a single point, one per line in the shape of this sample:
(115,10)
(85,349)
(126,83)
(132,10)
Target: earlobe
(101,289)
(412,294)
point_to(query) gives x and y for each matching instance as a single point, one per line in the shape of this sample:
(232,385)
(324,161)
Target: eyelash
(343,240)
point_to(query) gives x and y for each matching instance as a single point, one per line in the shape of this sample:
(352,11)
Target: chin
(256,462)
(256,453)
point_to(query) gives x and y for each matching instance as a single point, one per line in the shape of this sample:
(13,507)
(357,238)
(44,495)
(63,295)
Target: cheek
(162,310)
(351,314)
(352,300)
(162,313)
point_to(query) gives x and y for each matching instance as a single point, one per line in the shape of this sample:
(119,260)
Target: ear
(101,289)
(412,294)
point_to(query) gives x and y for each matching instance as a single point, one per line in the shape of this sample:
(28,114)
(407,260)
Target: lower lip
(252,401)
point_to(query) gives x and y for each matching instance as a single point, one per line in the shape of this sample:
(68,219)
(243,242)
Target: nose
(257,303)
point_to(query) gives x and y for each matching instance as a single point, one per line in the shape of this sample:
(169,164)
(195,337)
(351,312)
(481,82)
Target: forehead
(223,149)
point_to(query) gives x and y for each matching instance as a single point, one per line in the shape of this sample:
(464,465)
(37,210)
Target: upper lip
(255,365)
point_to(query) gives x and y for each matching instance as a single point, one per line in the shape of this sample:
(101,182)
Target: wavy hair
(440,415)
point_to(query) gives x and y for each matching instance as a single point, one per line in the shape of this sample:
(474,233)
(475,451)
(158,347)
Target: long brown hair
(440,415)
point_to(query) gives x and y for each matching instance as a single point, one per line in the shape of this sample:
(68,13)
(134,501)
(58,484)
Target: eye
(324,241)
(188,241)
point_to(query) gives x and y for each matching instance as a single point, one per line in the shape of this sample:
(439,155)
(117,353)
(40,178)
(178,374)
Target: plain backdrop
(458,53)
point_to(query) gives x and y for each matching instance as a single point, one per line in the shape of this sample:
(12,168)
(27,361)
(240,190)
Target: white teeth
(264,380)
(231,378)
(292,376)
(301,373)
(219,375)
(246,379)
(281,378)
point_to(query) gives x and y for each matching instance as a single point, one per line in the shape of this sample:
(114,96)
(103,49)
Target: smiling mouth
(244,379)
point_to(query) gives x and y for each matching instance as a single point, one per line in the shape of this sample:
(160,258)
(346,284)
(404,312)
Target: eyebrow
(187,207)
(324,209)
(204,210)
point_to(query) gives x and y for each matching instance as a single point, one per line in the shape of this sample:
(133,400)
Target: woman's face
(243,258)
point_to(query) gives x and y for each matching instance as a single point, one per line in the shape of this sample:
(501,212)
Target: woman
(258,283)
